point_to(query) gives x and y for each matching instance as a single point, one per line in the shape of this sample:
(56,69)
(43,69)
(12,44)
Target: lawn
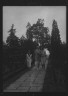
(54,79)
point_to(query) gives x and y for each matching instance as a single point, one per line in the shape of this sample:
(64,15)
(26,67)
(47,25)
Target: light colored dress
(47,57)
(29,60)
(47,52)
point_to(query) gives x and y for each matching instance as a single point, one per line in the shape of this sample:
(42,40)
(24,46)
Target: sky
(21,15)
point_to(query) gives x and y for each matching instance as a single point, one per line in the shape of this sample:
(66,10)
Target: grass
(54,79)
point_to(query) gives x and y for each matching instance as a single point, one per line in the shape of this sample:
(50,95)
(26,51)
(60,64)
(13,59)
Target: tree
(28,25)
(38,32)
(63,51)
(28,33)
(55,39)
(22,40)
(12,40)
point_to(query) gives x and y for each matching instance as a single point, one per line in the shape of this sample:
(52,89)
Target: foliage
(38,32)
(12,40)
(22,40)
(55,39)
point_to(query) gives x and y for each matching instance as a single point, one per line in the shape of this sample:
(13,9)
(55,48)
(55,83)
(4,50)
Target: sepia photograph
(34,48)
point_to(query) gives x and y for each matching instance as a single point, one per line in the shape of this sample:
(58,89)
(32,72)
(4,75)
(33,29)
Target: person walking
(37,57)
(47,56)
(43,58)
(29,59)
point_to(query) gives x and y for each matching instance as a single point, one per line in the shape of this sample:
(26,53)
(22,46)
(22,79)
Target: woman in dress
(37,58)
(43,58)
(29,59)
(47,56)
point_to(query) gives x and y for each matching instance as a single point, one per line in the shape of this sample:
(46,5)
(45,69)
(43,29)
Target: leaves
(12,40)
(55,39)
(38,32)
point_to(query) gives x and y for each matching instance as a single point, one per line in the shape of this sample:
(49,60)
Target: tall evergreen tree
(28,33)
(12,40)
(55,39)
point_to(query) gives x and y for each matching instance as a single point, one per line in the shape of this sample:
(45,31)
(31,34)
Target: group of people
(41,56)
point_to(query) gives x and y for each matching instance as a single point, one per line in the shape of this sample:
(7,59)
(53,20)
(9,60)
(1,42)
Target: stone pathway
(31,81)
